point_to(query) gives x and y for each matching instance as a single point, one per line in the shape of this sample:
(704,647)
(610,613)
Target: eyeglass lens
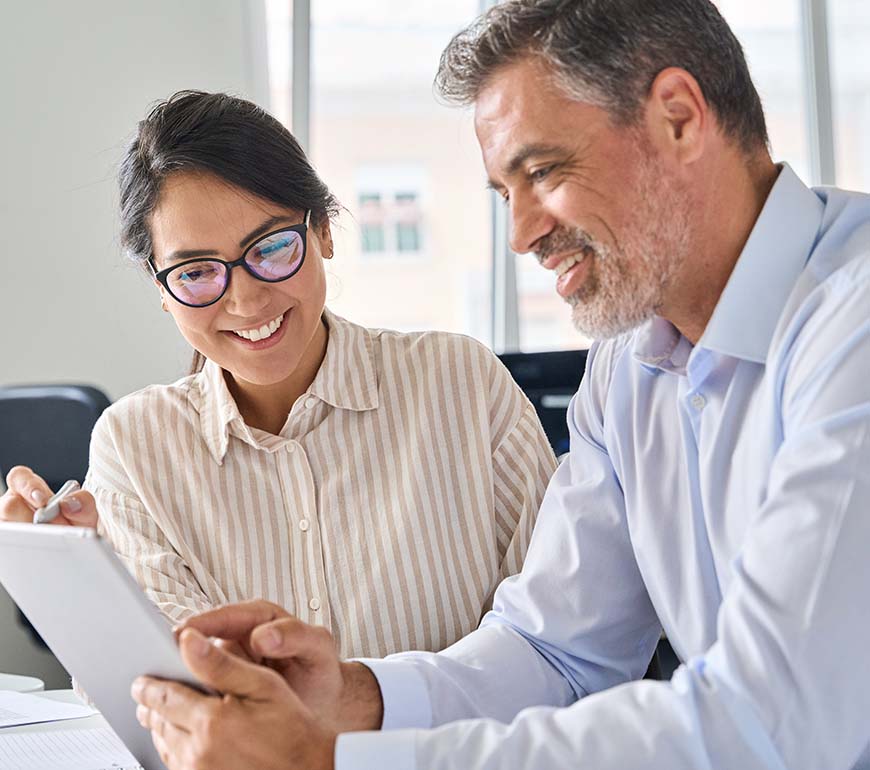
(274,258)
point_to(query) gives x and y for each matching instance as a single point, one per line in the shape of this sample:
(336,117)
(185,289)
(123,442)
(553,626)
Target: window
(848,33)
(413,250)
(390,221)
(772,38)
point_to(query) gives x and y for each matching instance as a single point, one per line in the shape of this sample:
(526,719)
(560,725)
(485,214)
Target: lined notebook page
(95,749)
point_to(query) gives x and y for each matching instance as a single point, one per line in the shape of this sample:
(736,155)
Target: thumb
(226,673)
(80,509)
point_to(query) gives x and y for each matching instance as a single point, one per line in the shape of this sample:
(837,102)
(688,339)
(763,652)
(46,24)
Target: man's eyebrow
(270,224)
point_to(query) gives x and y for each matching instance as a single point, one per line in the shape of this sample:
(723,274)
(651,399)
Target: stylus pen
(52,507)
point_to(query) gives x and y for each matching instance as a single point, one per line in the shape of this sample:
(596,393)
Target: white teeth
(566,264)
(264,332)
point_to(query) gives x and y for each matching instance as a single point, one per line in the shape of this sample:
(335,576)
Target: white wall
(76,77)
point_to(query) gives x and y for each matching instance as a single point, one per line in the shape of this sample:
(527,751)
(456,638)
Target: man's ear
(324,235)
(677,115)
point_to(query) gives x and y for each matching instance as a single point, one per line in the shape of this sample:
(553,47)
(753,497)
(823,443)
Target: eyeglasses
(201,282)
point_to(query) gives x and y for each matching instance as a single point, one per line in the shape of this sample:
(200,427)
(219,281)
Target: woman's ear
(324,235)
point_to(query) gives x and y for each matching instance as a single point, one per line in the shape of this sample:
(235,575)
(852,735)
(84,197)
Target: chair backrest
(549,380)
(48,428)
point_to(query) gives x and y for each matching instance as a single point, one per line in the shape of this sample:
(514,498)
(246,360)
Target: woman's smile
(260,337)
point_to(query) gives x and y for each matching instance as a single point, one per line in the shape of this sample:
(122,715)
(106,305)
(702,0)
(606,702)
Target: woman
(376,483)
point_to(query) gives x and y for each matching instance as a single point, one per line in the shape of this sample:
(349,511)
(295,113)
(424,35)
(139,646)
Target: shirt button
(314,604)
(699,402)
(310,402)
(291,448)
(303,525)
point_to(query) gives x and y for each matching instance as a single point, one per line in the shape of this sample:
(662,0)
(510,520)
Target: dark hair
(608,53)
(223,135)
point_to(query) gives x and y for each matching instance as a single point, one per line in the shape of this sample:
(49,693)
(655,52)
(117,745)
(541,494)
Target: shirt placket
(300,500)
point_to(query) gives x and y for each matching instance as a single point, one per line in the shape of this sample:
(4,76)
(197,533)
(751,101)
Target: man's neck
(731,201)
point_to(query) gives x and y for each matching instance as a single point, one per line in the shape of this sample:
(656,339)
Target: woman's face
(200,212)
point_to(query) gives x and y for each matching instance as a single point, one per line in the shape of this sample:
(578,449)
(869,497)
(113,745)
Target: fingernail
(136,688)
(38,496)
(198,644)
(70,505)
(273,639)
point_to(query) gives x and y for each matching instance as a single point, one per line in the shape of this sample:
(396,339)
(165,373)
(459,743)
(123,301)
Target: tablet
(94,617)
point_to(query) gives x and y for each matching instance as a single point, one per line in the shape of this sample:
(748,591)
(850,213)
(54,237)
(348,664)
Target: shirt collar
(347,379)
(348,376)
(752,302)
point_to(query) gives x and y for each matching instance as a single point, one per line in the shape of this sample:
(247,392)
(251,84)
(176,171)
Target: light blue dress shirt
(720,492)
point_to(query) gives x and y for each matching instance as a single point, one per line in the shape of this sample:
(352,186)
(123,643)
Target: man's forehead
(521,114)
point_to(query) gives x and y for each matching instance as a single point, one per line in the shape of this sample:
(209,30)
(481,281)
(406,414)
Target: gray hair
(608,53)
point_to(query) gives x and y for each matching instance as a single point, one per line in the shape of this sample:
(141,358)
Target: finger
(173,701)
(80,510)
(226,673)
(31,488)
(14,508)
(291,638)
(172,743)
(237,648)
(234,621)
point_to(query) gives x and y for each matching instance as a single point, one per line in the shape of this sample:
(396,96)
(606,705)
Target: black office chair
(549,380)
(48,428)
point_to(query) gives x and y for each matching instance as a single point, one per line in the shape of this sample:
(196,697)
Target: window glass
(772,37)
(413,248)
(848,32)
(279,39)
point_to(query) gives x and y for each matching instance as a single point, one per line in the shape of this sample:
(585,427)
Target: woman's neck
(266,406)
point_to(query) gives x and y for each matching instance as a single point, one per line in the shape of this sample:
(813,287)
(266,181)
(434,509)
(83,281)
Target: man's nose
(529,223)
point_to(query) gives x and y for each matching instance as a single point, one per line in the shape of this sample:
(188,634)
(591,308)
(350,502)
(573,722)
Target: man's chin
(595,323)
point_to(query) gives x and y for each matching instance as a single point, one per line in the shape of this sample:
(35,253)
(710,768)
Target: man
(718,485)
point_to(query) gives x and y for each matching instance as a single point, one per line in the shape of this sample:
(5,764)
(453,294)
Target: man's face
(590,199)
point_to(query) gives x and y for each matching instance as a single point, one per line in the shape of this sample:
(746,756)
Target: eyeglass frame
(163,275)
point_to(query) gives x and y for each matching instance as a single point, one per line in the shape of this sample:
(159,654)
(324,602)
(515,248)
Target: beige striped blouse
(402,488)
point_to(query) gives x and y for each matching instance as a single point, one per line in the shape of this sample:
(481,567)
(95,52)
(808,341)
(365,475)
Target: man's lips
(554,260)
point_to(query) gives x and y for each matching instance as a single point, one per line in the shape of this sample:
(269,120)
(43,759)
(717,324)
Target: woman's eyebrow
(261,229)
(264,228)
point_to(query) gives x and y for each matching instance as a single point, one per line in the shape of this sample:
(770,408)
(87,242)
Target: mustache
(563,240)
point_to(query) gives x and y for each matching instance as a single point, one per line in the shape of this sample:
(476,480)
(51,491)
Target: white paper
(97,749)
(17,708)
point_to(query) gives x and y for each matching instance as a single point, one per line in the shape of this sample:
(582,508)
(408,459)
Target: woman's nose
(246,296)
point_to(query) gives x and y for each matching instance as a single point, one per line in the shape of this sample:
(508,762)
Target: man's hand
(344,696)
(258,723)
(26,492)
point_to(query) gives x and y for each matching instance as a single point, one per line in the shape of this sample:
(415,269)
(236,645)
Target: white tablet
(94,617)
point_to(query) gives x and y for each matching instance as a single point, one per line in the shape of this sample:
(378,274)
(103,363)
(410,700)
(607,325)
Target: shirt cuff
(376,750)
(404,693)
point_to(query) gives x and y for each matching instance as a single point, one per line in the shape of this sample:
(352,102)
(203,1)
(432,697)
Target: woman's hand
(26,492)
(343,696)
